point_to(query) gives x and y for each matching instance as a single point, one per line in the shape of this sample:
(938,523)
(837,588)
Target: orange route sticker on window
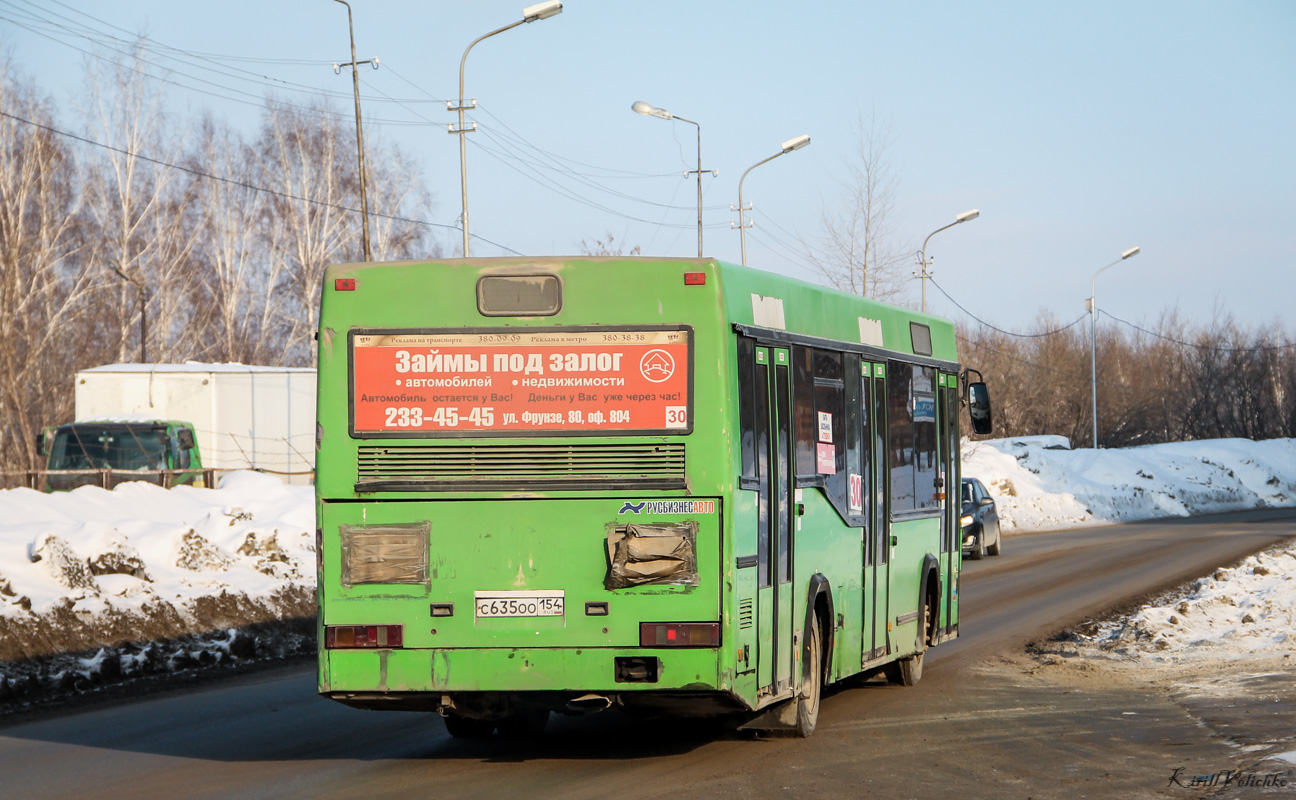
(516,382)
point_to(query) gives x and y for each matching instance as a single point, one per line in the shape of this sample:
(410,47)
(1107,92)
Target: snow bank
(93,567)
(1248,610)
(1042,484)
(90,568)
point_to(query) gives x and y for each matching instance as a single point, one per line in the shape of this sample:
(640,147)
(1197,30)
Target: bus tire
(526,725)
(808,698)
(908,671)
(467,727)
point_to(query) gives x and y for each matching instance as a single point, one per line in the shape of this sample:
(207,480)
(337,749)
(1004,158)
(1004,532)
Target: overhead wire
(239,95)
(141,55)
(1053,332)
(179,54)
(243,184)
(1261,348)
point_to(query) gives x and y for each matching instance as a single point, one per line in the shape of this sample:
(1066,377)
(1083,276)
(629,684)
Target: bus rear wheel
(467,727)
(908,671)
(812,685)
(526,725)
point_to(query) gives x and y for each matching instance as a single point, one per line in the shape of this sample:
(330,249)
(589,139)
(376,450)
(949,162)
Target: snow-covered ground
(1042,484)
(1240,611)
(91,566)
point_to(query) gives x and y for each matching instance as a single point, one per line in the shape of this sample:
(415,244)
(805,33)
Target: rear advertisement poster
(519,382)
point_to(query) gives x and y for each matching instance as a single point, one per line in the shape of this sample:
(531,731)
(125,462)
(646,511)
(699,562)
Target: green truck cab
(109,452)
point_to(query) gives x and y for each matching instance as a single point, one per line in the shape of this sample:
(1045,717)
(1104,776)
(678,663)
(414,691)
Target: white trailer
(245,417)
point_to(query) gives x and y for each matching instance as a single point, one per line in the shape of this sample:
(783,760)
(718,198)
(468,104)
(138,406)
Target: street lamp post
(143,301)
(923,274)
(787,147)
(538,11)
(355,82)
(649,110)
(1092,305)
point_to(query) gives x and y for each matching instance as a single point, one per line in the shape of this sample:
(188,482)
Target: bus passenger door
(952,544)
(774,536)
(878,544)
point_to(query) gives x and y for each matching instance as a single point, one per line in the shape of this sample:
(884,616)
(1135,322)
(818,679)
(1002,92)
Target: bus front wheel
(812,685)
(908,671)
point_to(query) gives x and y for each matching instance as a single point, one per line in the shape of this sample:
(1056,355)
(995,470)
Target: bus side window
(830,413)
(747,411)
(900,441)
(926,470)
(805,425)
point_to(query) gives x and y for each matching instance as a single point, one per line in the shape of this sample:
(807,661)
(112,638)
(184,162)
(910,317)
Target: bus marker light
(695,279)
(342,637)
(344,284)
(679,634)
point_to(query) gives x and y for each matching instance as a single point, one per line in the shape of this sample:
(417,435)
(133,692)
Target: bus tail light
(695,279)
(344,284)
(342,637)
(679,634)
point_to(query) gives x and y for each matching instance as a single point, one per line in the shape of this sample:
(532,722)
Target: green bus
(673,486)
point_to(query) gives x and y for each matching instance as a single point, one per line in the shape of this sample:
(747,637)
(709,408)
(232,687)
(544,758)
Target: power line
(243,184)
(1001,330)
(58,27)
(1262,348)
(1063,373)
(256,100)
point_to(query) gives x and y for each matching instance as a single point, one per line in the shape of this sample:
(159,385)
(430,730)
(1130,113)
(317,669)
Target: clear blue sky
(1078,130)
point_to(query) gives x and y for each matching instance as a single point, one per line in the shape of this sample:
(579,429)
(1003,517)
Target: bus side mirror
(979,408)
(44,440)
(186,438)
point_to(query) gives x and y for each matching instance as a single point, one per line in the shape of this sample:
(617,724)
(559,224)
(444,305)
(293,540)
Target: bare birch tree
(397,195)
(244,316)
(857,248)
(305,161)
(42,291)
(139,208)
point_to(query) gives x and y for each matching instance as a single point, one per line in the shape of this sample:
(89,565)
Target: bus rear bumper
(495,682)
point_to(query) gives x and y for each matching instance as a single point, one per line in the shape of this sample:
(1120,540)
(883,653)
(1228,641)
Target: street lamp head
(967,215)
(649,110)
(543,10)
(1133,251)
(797,143)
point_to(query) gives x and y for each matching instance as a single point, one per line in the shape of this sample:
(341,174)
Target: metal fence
(63,479)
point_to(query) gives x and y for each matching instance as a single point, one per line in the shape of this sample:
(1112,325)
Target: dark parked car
(980,521)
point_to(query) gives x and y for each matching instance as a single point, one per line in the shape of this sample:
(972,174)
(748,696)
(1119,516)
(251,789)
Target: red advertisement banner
(518,382)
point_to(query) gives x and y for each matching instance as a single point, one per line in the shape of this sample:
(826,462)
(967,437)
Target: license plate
(519,604)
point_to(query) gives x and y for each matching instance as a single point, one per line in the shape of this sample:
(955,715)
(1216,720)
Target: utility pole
(533,13)
(355,82)
(1091,305)
(143,301)
(923,274)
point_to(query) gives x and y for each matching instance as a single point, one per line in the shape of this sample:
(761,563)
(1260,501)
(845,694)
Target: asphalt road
(965,731)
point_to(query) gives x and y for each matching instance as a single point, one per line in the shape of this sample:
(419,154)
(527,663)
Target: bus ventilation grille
(744,613)
(538,467)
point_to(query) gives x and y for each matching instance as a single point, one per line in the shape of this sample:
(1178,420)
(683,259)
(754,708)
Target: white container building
(245,417)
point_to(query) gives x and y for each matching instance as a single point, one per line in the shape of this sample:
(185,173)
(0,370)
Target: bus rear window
(519,295)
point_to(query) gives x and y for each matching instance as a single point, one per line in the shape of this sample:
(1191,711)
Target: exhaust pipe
(589,703)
